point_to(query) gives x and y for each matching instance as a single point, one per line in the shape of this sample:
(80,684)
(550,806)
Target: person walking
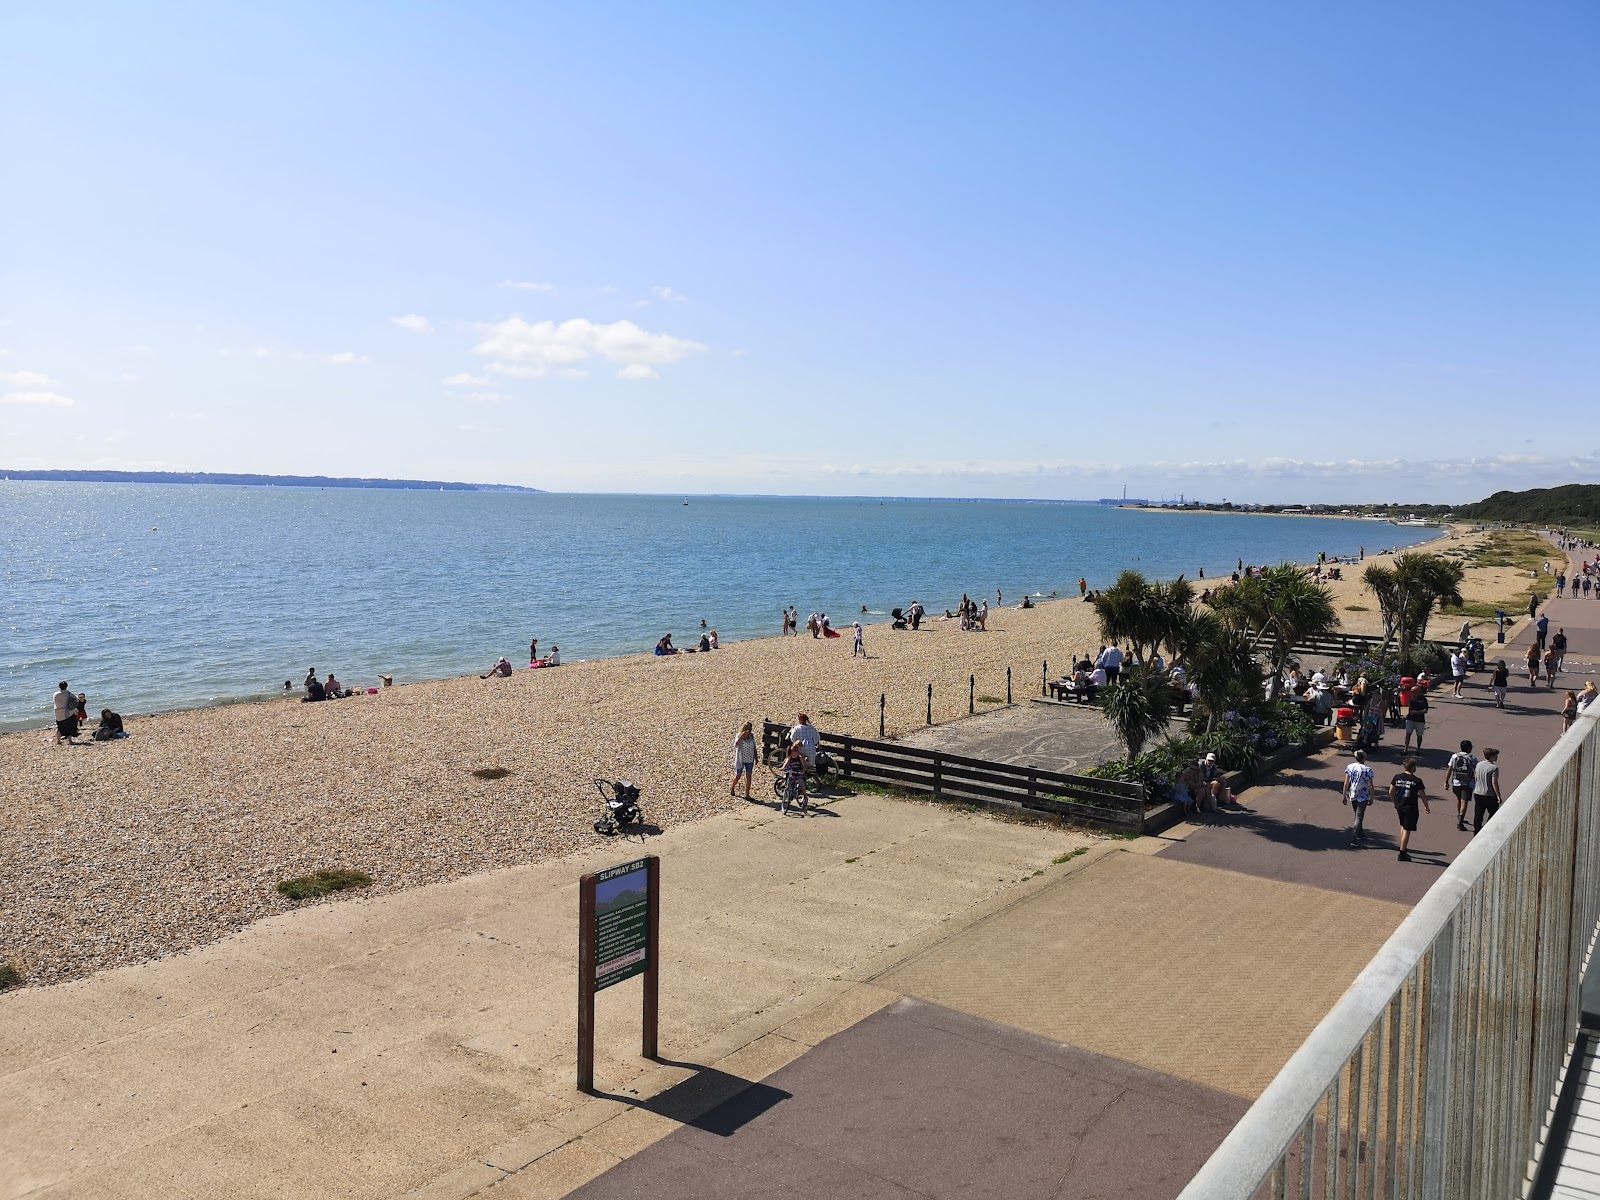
(1485,788)
(1542,628)
(1458,669)
(1499,681)
(1405,791)
(1561,584)
(65,706)
(1559,645)
(1083,587)
(1569,711)
(744,759)
(860,646)
(1550,667)
(1533,663)
(1358,794)
(1417,716)
(1458,775)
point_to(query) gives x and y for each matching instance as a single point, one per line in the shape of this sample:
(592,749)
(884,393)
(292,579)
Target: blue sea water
(155,597)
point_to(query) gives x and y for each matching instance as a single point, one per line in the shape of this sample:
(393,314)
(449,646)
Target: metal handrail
(1455,1033)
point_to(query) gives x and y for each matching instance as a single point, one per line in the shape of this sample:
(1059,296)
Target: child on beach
(744,759)
(794,777)
(860,646)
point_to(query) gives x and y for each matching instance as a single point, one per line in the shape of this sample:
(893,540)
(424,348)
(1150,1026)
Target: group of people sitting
(1203,787)
(72,714)
(708,642)
(1087,676)
(329,689)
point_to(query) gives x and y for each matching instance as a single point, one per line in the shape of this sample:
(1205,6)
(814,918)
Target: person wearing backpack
(1458,777)
(1406,790)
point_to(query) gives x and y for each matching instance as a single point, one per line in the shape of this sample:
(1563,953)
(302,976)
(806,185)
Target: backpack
(1460,769)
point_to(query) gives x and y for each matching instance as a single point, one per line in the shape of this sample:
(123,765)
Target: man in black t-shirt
(1407,792)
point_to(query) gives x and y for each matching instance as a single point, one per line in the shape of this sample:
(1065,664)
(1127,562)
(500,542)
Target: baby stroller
(622,806)
(900,619)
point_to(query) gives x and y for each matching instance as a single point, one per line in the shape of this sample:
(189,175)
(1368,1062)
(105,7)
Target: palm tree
(1408,593)
(1144,615)
(1280,608)
(1125,614)
(1139,706)
(1221,664)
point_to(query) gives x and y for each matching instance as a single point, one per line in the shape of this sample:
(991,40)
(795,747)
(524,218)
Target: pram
(901,621)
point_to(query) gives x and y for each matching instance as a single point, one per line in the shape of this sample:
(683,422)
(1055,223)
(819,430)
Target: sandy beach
(121,852)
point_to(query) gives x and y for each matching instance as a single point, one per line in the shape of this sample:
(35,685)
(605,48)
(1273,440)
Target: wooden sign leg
(586,963)
(652,969)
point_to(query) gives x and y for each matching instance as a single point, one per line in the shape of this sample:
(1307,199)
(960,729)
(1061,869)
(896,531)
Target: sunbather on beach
(501,670)
(665,646)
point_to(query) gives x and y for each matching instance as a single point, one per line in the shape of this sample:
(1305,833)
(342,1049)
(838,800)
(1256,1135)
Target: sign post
(619,924)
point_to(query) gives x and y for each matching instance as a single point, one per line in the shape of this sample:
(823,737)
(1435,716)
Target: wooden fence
(1101,803)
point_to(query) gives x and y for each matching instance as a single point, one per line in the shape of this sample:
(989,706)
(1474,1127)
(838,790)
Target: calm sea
(153,597)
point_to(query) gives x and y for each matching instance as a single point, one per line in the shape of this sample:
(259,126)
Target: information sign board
(621,923)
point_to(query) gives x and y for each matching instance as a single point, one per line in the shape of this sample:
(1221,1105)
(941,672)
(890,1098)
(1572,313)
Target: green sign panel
(621,923)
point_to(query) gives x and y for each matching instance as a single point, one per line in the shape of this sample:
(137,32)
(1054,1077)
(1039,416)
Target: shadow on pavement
(709,1100)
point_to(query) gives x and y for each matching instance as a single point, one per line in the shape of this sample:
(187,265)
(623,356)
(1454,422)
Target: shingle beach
(121,852)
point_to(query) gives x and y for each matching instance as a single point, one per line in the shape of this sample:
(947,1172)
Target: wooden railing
(1102,803)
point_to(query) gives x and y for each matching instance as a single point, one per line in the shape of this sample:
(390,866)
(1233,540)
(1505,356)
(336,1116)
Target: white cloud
(739,353)
(639,372)
(345,358)
(662,292)
(37,399)
(263,352)
(129,377)
(26,379)
(527,286)
(463,379)
(529,350)
(412,323)
(141,349)
(482,397)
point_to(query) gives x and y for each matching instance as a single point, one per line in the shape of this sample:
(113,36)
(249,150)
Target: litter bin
(1344,720)
(1500,620)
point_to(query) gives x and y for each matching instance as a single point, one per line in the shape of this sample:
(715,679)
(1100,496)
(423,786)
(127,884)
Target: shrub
(321,883)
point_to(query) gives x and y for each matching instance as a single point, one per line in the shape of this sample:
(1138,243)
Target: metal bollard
(1044,678)
(972,692)
(1008,687)
(883,703)
(930,704)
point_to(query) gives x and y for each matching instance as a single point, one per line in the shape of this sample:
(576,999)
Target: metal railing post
(1437,1014)
(930,704)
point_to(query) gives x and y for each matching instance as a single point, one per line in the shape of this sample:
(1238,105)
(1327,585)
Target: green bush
(321,883)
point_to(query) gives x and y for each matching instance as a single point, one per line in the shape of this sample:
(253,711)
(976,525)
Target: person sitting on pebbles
(501,670)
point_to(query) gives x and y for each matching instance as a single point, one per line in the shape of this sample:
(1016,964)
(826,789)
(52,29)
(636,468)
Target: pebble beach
(117,853)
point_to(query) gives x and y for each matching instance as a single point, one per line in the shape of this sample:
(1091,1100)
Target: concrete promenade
(897,999)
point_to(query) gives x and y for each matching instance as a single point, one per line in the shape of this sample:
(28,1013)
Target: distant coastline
(214,477)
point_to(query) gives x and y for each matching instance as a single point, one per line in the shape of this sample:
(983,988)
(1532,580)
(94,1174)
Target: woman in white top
(744,760)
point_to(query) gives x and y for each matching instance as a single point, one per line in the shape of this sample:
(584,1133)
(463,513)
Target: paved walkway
(873,1113)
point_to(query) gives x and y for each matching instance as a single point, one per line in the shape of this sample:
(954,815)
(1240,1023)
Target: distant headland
(315,481)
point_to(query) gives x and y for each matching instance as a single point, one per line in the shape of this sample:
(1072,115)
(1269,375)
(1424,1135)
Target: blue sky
(1239,250)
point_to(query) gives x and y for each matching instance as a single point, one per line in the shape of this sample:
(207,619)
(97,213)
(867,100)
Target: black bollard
(1044,678)
(930,704)
(972,691)
(1008,687)
(883,702)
